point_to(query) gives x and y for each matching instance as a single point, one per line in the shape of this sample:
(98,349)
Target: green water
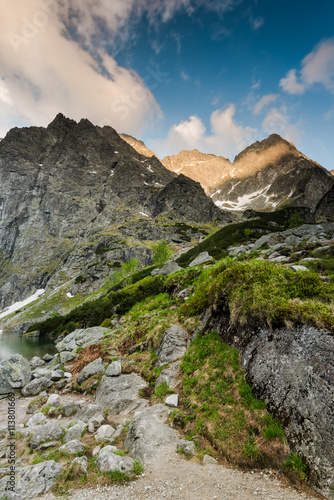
(28,347)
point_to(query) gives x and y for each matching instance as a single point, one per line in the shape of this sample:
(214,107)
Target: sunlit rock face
(265,176)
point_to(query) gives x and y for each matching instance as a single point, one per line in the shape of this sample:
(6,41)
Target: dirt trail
(177,478)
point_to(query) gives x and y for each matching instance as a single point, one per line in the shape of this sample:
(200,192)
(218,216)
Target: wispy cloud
(316,68)
(185,77)
(44,71)
(226,138)
(277,121)
(264,101)
(257,23)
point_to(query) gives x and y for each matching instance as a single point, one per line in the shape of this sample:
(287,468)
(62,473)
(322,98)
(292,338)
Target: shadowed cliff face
(62,184)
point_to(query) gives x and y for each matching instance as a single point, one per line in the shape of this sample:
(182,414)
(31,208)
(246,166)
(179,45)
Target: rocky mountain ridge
(265,176)
(66,187)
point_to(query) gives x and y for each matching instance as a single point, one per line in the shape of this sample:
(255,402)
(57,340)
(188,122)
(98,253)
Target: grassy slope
(216,404)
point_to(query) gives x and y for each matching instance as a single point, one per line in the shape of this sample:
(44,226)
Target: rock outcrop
(293,371)
(61,185)
(15,373)
(32,481)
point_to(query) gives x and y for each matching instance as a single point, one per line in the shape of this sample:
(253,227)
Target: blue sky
(178,74)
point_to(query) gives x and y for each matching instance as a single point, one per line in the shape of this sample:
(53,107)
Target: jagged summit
(64,184)
(265,176)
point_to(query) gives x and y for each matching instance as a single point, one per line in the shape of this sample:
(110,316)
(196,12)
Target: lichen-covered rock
(15,373)
(73,446)
(74,432)
(53,400)
(91,369)
(105,432)
(35,362)
(47,432)
(293,370)
(149,435)
(82,464)
(81,338)
(109,462)
(119,393)
(31,481)
(66,356)
(36,386)
(36,419)
(90,411)
(173,345)
(70,409)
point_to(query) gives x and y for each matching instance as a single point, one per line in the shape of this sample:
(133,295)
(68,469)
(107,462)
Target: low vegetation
(219,406)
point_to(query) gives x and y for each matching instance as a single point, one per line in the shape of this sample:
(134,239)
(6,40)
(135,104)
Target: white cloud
(227,137)
(264,101)
(290,83)
(278,122)
(44,72)
(317,68)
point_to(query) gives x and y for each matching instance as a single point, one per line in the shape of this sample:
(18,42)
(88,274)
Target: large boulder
(169,268)
(75,432)
(47,432)
(149,435)
(91,369)
(31,481)
(114,369)
(82,338)
(119,393)
(169,374)
(36,386)
(292,369)
(86,413)
(269,240)
(202,258)
(109,462)
(35,362)
(15,373)
(173,345)
(74,446)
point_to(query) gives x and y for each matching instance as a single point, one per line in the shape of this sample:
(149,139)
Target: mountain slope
(265,176)
(271,173)
(208,170)
(63,184)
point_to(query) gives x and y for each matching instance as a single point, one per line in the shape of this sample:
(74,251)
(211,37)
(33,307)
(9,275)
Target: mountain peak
(61,121)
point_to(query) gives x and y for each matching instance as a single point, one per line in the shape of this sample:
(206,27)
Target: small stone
(209,460)
(82,464)
(56,375)
(36,419)
(187,447)
(54,400)
(96,451)
(35,362)
(172,400)
(65,357)
(47,358)
(74,432)
(104,432)
(68,375)
(114,370)
(70,409)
